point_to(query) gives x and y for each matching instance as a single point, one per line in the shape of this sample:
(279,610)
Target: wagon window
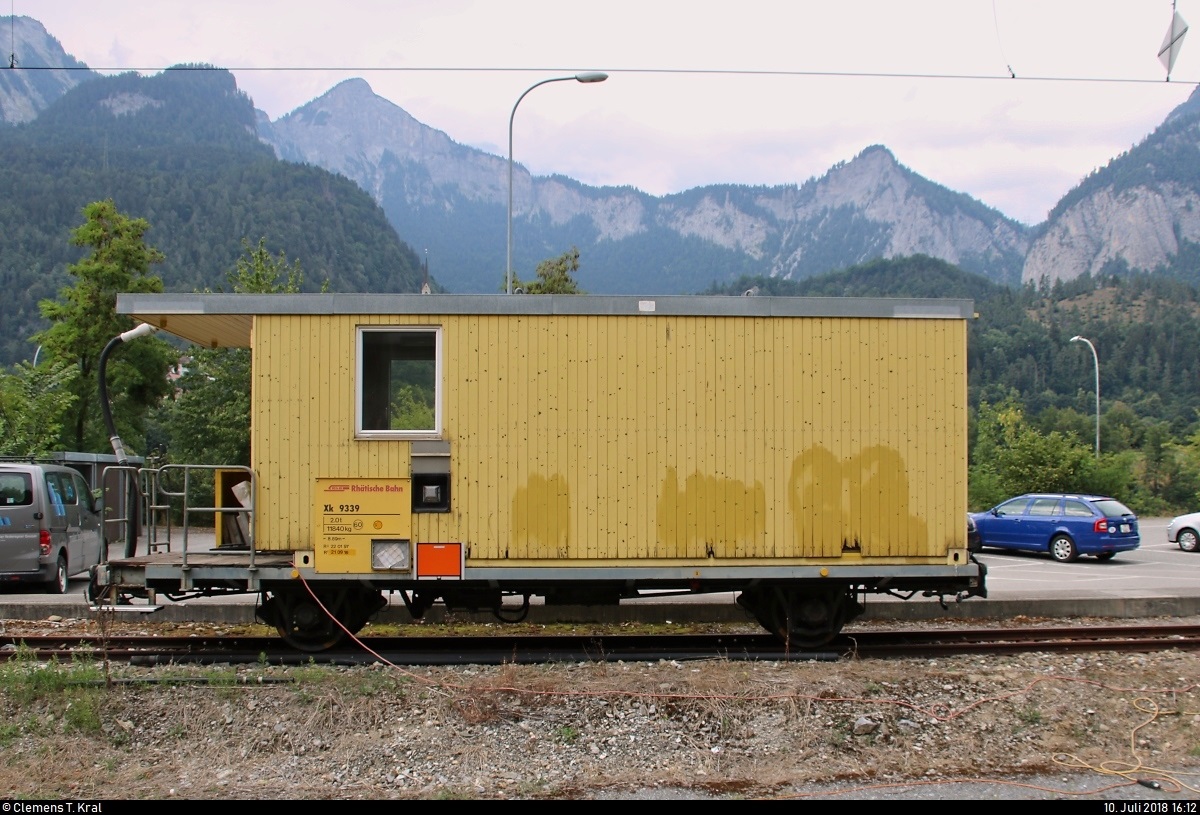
(399,376)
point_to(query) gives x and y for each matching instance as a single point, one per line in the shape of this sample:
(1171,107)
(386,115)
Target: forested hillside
(178,150)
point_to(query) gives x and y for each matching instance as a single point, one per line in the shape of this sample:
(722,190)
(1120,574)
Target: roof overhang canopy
(227,320)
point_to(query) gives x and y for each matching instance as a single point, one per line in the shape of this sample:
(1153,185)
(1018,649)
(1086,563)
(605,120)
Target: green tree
(1169,476)
(84,319)
(1051,462)
(411,409)
(554,276)
(1011,457)
(208,422)
(33,402)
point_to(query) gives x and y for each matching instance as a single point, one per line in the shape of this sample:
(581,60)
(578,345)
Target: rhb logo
(337,488)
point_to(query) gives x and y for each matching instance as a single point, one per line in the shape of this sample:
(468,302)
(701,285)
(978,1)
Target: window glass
(84,492)
(54,490)
(1077,509)
(1113,508)
(16,490)
(1043,506)
(398,384)
(1014,507)
(70,496)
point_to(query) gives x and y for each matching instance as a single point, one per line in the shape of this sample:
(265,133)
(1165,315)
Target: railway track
(457,650)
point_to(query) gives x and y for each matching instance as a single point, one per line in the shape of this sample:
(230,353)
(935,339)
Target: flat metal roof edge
(540,304)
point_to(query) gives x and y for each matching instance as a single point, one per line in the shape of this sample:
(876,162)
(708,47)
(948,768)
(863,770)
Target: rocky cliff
(1140,228)
(869,207)
(1140,212)
(25,94)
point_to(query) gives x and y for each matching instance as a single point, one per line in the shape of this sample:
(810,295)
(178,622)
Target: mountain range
(631,242)
(447,202)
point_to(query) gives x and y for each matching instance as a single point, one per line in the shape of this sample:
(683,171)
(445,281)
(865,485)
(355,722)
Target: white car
(1185,530)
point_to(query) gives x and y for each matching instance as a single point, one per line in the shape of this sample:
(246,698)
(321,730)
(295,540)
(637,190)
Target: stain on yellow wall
(542,518)
(709,516)
(859,504)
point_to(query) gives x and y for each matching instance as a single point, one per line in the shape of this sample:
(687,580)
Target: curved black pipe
(117,445)
(106,408)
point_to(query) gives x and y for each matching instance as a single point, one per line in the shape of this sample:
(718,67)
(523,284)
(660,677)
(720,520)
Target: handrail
(165,484)
(124,475)
(154,509)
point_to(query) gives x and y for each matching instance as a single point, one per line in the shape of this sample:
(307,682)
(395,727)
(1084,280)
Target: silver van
(50,525)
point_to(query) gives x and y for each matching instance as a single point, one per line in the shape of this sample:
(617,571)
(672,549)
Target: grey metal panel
(433,447)
(237,574)
(125,575)
(834,574)
(430,457)
(538,304)
(431,465)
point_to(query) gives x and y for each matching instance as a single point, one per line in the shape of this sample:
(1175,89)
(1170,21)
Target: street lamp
(1095,359)
(586,78)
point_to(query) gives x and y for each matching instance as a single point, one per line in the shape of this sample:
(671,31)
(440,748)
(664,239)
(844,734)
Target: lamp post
(586,78)
(1096,360)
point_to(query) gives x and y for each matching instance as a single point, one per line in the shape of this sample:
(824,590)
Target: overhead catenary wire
(1007,77)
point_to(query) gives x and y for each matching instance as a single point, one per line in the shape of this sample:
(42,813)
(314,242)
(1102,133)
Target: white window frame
(360,380)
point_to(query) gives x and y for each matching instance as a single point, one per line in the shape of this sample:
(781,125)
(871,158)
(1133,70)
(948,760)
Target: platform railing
(156,514)
(171,489)
(125,514)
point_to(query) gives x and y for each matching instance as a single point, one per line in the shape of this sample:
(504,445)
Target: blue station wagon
(1066,526)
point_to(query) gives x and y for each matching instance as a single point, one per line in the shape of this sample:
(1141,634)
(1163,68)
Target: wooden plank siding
(641,438)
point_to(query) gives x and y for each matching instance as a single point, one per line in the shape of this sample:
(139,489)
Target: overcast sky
(701,92)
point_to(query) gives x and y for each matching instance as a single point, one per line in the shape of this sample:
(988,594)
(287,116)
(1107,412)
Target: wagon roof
(225,320)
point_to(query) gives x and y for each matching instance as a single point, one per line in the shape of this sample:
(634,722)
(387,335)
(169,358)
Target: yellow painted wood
(636,437)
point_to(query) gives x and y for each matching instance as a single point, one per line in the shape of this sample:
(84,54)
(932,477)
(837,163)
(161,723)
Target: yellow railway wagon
(585,449)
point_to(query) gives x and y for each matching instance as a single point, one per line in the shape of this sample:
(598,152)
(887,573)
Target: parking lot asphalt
(1156,580)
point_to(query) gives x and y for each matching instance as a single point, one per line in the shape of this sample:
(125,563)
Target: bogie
(318,618)
(803,618)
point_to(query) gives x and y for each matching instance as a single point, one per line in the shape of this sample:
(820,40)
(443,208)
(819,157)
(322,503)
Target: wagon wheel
(304,625)
(803,618)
